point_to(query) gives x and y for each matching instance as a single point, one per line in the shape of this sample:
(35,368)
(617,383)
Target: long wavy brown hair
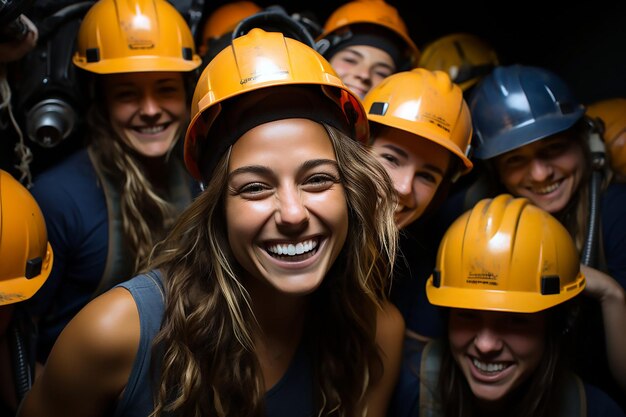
(208,365)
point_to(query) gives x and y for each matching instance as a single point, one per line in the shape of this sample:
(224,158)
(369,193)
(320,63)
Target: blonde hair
(145,214)
(208,366)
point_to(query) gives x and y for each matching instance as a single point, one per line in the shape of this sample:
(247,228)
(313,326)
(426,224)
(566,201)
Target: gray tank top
(292,396)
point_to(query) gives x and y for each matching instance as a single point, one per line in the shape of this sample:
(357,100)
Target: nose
(540,170)
(149,107)
(362,71)
(403,183)
(291,211)
(488,340)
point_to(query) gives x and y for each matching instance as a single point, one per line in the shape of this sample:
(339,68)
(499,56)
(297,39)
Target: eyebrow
(132,84)
(404,154)
(378,63)
(263,170)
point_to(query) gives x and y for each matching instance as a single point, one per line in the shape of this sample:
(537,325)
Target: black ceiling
(585,44)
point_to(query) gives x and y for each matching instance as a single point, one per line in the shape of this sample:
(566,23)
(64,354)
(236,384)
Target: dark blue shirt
(74,207)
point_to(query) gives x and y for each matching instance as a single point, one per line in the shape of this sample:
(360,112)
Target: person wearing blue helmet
(533,134)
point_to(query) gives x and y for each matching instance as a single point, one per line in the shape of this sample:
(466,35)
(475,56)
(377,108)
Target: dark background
(585,44)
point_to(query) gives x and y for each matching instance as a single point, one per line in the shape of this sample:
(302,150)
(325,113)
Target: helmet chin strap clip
(323,45)
(596,144)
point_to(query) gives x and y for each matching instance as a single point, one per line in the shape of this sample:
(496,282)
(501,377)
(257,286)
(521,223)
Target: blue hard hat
(517,105)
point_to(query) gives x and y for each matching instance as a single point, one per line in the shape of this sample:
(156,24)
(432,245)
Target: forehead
(540,144)
(414,146)
(371,53)
(140,78)
(282,142)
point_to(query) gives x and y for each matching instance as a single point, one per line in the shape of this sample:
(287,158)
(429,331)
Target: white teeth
(489,367)
(151,130)
(547,189)
(291,250)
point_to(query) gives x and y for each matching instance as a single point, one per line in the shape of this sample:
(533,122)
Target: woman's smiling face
(417,167)
(286,209)
(496,351)
(147,109)
(548,172)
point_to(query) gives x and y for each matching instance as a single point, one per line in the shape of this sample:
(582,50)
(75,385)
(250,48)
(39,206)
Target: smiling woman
(268,297)
(108,204)
(538,144)
(366,41)
(146,110)
(508,279)
(420,132)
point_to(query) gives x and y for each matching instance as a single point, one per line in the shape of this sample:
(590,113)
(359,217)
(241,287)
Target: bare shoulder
(107,327)
(90,363)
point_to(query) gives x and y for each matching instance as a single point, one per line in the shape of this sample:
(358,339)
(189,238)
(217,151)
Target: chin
(489,394)
(552,206)
(153,148)
(298,290)
(154,151)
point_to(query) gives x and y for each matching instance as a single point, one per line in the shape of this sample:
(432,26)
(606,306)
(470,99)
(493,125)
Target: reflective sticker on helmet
(379,108)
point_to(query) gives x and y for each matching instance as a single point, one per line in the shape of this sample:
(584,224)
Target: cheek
(120,115)
(245,219)
(424,193)
(460,336)
(530,345)
(509,177)
(177,107)
(574,163)
(336,206)
(340,66)
(376,79)
(332,209)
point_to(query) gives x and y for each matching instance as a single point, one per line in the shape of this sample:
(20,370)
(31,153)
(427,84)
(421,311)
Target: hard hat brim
(139,64)
(500,300)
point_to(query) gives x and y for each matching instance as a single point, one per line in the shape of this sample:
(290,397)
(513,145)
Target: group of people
(321,222)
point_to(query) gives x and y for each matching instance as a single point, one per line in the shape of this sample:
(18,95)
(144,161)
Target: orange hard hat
(24,249)
(261,60)
(505,254)
(427,104)
(224,19)
(135,36)
(362,16)
(464,56)
(612,112)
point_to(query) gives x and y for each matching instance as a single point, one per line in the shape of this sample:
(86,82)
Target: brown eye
(320,182)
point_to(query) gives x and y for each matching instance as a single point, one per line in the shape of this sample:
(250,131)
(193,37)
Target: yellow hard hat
(464,56)
(259,60)
(135,36)
(25,254)
(505,254)
(612,112)
(365,13)
(224,19)
(424,103)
